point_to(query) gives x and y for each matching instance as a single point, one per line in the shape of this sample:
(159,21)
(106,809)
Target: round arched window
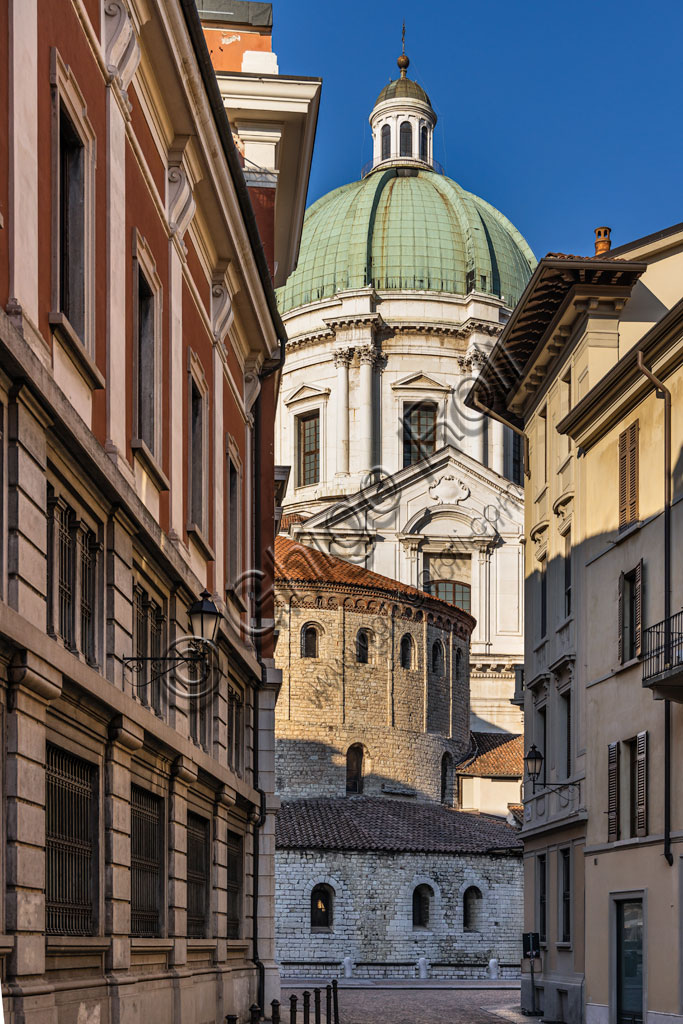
(423,143)
(422,904)
(472,909)
(406,139)
(447,779)
(386,142)
(437,658)
(362,647)
(309,641)
(354,769)
(322,908)
(406,651)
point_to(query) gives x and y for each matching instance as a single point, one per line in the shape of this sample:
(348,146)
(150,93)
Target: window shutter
(641,784)
(623,480)
(613,792)
(621,617)
(633,473)
(638,599)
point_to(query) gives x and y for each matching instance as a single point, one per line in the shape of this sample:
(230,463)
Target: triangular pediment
(420,382)
(448,483)
(306,391)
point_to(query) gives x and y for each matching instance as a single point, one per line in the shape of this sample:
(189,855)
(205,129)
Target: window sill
(541,643)
(563,945)
(139,945)
(322,931)
(76,943)
(198,537)
(627,532)
(565,622)
(201,945)
(150,464)
(625,665)
(233,598)
(68,337)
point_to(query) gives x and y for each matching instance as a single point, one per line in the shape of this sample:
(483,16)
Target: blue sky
(565,116)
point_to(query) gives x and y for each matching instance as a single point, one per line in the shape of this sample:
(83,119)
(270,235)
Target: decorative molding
(222,312)
(343,357)
(307,391)
(367,354)
(449,490)
(122,50)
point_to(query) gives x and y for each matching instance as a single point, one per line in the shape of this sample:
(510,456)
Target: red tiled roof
(289,519)
(298,563)
(384,824)
(499,755)
(517,812)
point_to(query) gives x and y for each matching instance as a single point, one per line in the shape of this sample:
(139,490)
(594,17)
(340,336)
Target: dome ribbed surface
(402,88)
(402,233)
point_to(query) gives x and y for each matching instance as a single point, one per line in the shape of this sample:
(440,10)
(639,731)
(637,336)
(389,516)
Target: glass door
(630,962)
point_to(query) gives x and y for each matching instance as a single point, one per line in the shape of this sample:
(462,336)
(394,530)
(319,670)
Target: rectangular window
(87,567)
(197,875)
(459,594)
(196,456)
(542,882)
(200,706)
(419,432)
(566,700)
(543,738)
(235,730)
(612,792)
(146,862)
(517,459)
(565,408)
(567,574)
(628,476)
(566,895)
(233,524)
(63,622)
(629,956)
(149,633)
(543,598)
(632,754)
(542,438)
(70,840)
(145,364)
(630,613)
(71,224)
(234,885)
(308,445)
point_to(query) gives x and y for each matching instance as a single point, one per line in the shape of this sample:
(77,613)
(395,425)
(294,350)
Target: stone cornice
(392,329)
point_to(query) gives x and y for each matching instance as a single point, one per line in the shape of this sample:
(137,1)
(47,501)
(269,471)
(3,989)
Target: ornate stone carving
(367,354)
(222,313)
(449,490)
(181,204)
(343,356)
(122,50)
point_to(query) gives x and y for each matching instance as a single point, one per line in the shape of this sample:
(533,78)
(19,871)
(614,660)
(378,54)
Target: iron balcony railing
(663,647)
(396,160)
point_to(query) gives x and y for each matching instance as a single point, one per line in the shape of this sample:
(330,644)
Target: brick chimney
(603,242)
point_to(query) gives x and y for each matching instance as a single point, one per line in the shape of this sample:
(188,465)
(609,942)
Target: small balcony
(395,160)
(663,659)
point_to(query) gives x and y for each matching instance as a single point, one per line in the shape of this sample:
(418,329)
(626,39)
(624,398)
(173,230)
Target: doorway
(629,949)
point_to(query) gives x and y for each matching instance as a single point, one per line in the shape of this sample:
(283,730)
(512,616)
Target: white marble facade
(359,360)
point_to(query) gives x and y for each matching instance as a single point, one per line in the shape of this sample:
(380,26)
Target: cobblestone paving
(424,1006)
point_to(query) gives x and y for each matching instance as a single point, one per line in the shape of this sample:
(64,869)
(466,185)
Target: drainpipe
(666,394)
(495,416)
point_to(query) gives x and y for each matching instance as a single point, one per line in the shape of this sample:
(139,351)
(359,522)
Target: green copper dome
(402,88)
(401,230)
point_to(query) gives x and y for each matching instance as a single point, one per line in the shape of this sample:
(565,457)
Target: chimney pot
(603,242)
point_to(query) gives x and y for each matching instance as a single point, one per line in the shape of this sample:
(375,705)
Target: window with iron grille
(199,704)
(566,892)
(234,884)
(235,730)
(70,843)
(146,862)
(542,882)
(149,630)
(60,570)
(197,875)
(87,557)
(308,442)
(419,432)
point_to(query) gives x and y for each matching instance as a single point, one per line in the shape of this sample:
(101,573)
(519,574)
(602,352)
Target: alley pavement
(424,1006)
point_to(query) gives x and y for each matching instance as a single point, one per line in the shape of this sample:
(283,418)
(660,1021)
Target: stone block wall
(372,917)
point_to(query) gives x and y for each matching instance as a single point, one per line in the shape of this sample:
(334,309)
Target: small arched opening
(447,780)
(406,651)
(472,909)
(322,908)
(423,896)
(354,769)
(406,138)
(423,142)
(362,647)
(310,641)
(386,142)
(437,658)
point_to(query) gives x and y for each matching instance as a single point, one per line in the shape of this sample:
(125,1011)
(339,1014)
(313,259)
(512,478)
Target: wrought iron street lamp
(204,619)
(533,763)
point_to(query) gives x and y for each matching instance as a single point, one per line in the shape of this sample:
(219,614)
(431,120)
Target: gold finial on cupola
(403,61)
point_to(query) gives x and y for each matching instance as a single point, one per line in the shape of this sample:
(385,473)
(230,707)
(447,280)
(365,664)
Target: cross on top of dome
(403,61)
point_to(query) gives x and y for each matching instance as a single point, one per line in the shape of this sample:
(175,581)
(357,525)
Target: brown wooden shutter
(633,473)
(641,784)
(638,598)
(613,792)
(621,617)
(623,480)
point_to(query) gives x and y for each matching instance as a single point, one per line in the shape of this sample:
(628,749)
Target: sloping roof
(297,563)
(517,812)
(499,755)
(384,824)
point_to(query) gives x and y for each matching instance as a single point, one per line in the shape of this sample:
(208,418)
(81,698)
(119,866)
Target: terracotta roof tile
(499,755)
(384,824)
(298,563)
(517,812)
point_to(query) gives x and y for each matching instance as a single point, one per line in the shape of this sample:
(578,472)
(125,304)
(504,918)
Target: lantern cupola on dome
(402,123)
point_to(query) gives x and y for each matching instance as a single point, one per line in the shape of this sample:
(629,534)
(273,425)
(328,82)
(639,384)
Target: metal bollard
(328,1005)
(254,1013)
(292,1010)
(316,994)
(275,1011)
(307,1007)
(231,1018)
(335,1000)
